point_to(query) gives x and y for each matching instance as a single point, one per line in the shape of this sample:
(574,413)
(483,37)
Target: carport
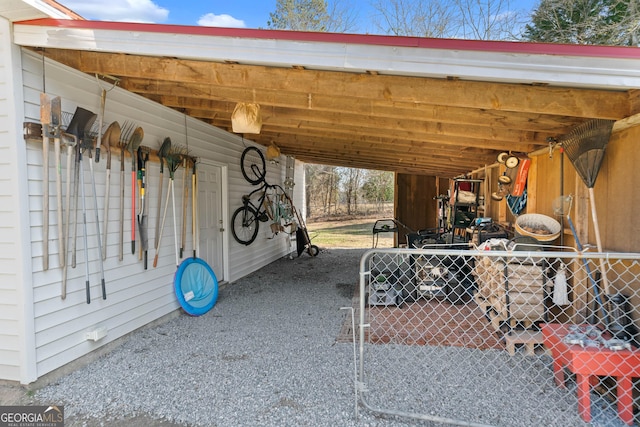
(429,110)
(446,107)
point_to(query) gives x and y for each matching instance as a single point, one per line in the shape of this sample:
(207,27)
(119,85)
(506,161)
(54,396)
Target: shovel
(132,146)
(81,118)
(110,138)
(79,127)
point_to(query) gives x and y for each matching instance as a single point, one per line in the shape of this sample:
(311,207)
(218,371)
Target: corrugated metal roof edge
(363,39)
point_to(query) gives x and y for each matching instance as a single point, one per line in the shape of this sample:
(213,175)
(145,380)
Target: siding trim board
(17,340)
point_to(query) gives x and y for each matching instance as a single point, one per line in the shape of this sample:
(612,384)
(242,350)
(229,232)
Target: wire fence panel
(505,336)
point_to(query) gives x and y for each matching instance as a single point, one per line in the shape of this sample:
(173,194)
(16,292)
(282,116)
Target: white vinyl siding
(16,308)
(135,297)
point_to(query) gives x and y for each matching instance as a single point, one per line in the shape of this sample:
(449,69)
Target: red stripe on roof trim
(363,39)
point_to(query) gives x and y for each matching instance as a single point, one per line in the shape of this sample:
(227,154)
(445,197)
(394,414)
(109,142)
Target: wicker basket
(538,222)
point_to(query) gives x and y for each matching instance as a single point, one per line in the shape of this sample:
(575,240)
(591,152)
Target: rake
(585,146)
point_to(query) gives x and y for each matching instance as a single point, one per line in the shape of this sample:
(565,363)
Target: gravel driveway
(265,355)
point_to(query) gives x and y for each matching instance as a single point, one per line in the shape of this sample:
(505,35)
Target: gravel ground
(265,355)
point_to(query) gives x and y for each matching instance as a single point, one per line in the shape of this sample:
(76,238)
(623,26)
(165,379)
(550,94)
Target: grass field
(348,233)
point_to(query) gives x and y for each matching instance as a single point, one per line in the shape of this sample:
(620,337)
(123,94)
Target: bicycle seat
(245,198)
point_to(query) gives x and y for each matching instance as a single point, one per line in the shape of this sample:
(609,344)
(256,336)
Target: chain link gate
(508,336)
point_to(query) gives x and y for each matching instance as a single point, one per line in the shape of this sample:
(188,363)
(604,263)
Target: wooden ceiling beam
(383,157)
(406,166)
(387,154)
(388,136)
(301,119)
(405,124)
(206,76)
(402,110)
(422,146)
(388,147)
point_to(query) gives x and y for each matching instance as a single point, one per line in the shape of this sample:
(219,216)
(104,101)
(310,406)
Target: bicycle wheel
(244,225)
(253,165)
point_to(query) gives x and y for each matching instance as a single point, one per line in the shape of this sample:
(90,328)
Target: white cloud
(213,20)
(119,10)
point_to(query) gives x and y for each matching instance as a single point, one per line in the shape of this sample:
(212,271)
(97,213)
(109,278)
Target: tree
(351,185)
(311,15)
(378,188)
(414,18)
(488,19)
(321,188)
(593,22)
(470,19)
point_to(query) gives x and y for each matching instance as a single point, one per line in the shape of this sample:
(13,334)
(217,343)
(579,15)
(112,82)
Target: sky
(216,13)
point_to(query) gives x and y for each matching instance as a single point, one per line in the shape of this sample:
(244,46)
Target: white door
(210,217)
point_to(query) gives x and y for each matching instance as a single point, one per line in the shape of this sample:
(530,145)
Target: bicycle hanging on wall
(271,204)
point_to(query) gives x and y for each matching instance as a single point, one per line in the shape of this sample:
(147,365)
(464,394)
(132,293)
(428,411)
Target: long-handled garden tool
(174,158)
(76,177)
(70,141)
(585,146)
(45,119)
(132,146)
(103,100)
(562,207)
(84,222)
(81,119)
(143,157)
(88,145)
(80,126)
(110,138)
(194,206)
(185,197)
(174,163)
(164,216)
(162,154)
(54,128)
(125,134)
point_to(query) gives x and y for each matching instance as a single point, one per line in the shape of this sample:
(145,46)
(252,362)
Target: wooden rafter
(419,125)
